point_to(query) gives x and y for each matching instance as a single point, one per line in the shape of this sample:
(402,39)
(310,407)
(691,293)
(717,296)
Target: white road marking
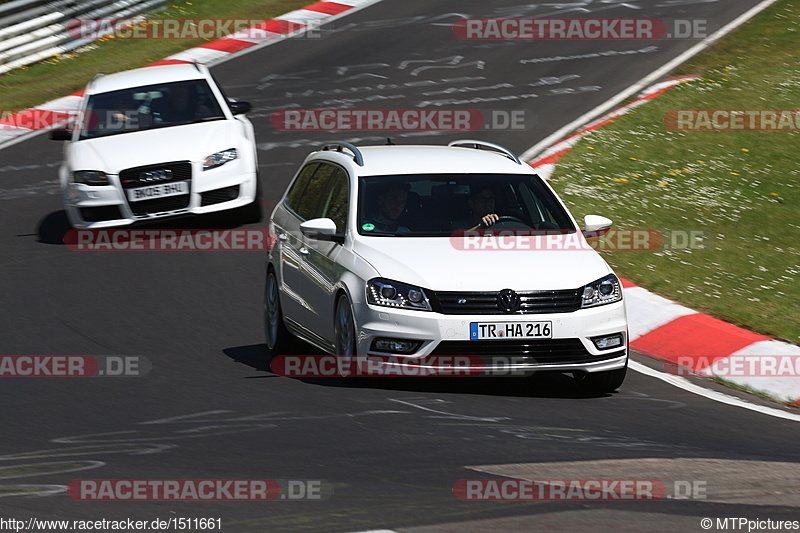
(683,383)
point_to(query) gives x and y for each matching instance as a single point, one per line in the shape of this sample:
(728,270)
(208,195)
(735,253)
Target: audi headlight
(394,294)
(606,290)
(220,158)
(90,177)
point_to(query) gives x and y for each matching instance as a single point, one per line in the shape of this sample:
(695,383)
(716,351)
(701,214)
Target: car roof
(145,76)
(425,159)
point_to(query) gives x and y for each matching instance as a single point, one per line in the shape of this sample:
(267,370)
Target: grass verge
(741,187)
(62,75)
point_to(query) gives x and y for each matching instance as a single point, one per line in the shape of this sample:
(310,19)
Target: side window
(336,204)
(295,195)
(310,205)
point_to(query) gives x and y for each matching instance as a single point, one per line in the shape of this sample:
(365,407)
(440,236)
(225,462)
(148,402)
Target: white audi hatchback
(423,252)
(158,142)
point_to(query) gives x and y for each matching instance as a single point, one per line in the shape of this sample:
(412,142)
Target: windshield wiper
(205,119)
(387,234)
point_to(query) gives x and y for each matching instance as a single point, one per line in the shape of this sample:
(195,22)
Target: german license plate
(162,190)
(510,330)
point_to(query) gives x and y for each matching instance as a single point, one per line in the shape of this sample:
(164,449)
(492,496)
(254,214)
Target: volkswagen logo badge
(508,301)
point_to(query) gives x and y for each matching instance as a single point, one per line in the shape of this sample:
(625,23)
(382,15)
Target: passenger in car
(481,207)
(391,204)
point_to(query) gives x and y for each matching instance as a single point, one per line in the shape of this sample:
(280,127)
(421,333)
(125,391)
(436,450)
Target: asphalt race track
(390,450)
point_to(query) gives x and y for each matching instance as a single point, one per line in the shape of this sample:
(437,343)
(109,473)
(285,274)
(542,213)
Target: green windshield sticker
(368,227)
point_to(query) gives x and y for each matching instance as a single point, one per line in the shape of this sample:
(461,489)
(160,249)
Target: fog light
(403,346)
(608,341)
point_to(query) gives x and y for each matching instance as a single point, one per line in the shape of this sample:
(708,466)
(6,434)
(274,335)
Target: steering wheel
(508,222)
(509,218)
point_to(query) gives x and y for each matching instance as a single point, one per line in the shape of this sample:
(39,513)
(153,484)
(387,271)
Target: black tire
(608,381)
(345,336)
(278,337)
(252,212)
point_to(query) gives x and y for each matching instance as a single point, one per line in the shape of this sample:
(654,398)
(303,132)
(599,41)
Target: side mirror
(61,135)
(239,108)
(595,225)
(322,229)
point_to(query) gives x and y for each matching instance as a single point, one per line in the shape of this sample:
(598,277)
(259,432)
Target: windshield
(437,205)
(150,106)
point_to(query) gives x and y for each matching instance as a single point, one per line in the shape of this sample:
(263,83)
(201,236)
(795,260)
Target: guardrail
(33,30)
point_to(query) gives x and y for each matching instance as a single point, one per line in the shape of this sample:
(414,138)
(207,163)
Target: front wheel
(252,212)
(607,381)
(345,336)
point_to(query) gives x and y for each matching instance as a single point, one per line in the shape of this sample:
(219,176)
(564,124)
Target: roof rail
(95,78)
(466,143)
(357,157)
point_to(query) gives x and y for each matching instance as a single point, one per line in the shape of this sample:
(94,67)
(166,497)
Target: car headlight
(220,158)
(605,290)
(394,294)
(90,177)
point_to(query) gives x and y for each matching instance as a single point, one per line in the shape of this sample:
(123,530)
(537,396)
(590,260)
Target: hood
(192,142)
(436,263)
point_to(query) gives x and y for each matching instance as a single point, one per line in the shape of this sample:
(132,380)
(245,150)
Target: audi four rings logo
(155,175)
(508,301)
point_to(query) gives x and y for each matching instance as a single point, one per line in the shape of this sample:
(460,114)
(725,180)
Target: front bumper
(443,337)
(107,206)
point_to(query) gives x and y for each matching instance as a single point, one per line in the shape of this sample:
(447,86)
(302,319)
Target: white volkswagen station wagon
(157,142)
(427,251)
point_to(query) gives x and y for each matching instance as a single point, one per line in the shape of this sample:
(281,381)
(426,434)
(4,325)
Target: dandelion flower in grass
(600,179)
(745,150)
(623,179)
(700,161)
(633,159)
(635,176)
(735,173)
(590,147)
(774,194)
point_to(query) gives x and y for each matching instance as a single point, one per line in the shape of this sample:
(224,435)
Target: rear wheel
(607,381)
(278,337)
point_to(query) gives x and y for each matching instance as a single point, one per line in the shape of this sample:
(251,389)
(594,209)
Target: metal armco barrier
(33,30)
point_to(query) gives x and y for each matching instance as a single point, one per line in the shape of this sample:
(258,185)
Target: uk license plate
(510,330)
(162,190)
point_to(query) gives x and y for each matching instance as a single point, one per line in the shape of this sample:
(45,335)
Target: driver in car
(481,207)
(391,204)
